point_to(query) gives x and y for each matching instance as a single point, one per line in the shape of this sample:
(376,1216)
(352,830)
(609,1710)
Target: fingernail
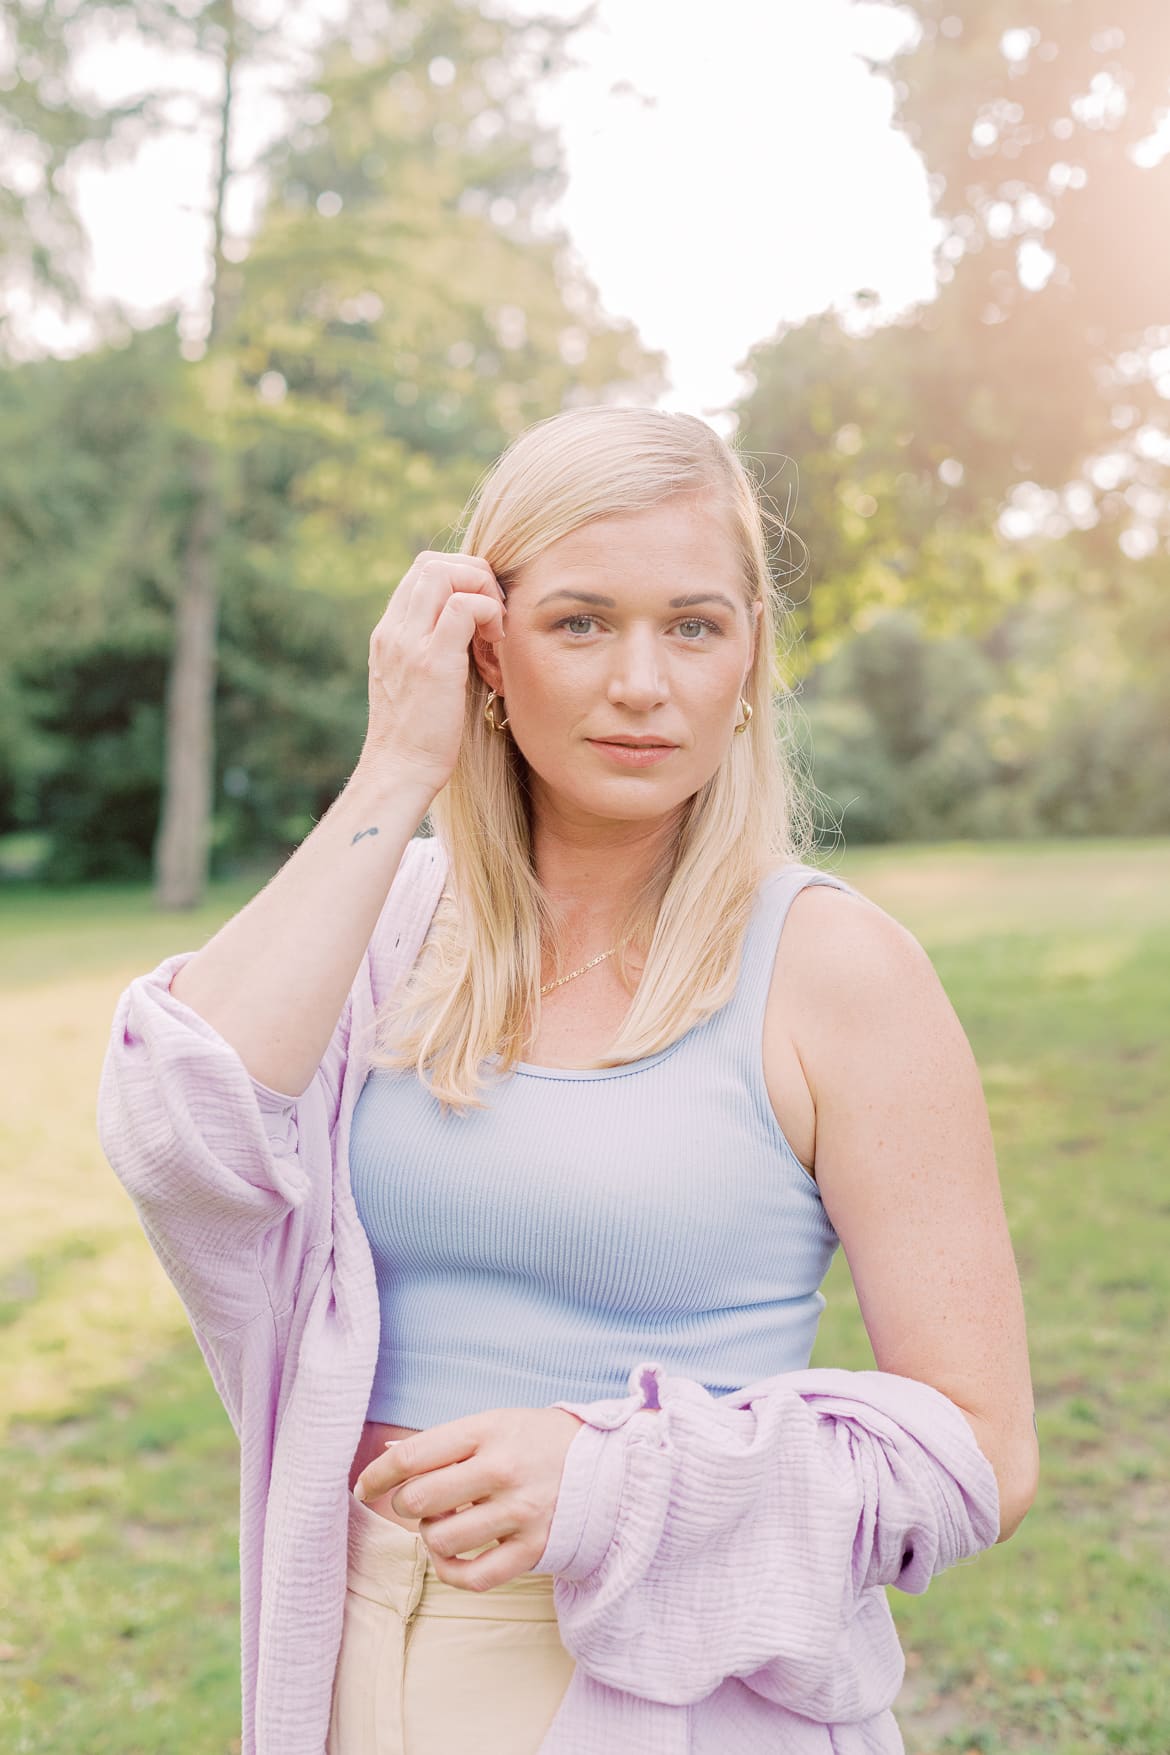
(359,1492)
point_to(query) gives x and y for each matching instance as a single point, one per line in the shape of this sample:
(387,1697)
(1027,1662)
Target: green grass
(118,1588)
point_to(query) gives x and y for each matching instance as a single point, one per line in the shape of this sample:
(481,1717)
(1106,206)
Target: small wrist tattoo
(360,834)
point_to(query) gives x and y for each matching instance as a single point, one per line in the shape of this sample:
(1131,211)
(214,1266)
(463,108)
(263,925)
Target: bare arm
(273,980)
(906,1167)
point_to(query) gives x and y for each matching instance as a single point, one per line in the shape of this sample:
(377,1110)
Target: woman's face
(631,627)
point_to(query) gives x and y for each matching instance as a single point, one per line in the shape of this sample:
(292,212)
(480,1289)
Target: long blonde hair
(477,981)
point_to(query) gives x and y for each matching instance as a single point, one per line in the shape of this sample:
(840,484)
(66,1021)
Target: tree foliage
(1037,121)
(982,480)
(1040,374)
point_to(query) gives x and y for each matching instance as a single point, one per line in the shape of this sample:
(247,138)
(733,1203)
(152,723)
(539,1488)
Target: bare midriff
(371,1444)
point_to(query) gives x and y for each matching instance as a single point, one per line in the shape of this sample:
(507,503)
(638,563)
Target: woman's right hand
(419,666)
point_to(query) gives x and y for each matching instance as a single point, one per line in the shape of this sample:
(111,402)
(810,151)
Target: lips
(633,755)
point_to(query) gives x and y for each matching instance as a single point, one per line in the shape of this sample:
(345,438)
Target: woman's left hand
(491,1476)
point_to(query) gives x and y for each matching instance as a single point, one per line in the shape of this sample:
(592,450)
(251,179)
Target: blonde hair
(477,980)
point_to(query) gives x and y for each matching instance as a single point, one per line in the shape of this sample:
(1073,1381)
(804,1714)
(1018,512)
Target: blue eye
(695,621)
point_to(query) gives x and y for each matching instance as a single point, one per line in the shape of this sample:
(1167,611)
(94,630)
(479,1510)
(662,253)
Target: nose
(638,677)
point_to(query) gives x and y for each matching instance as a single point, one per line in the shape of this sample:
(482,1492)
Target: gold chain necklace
(549,985)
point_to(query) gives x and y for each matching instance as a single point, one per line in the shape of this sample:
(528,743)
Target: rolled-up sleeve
(211,1159)
(783,1517)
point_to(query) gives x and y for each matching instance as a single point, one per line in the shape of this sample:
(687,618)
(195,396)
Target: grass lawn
(118,1472)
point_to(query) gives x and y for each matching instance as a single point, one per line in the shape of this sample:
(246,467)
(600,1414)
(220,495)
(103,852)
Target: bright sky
(731,167)
(763,184)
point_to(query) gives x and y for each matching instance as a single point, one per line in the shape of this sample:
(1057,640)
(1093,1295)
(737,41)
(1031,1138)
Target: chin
(624,800)
(634,796)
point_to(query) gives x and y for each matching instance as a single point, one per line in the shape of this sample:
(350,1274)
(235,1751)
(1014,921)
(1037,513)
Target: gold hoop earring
(747,719)
(490,716)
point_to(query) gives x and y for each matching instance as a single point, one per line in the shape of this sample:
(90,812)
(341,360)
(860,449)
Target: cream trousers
(428,1669)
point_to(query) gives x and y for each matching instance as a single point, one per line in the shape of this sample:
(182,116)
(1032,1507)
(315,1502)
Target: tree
(93,504)
(403,311)
(860,449)
(1028,397)
(55,119)
(1037,121)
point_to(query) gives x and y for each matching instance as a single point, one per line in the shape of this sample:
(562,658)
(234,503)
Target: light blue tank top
(536,1250)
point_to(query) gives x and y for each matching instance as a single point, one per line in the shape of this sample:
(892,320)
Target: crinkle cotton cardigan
(720,1564)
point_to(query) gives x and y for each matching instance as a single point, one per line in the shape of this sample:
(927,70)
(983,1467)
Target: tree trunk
(181,847)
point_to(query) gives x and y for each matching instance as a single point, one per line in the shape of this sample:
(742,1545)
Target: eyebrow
(689,601)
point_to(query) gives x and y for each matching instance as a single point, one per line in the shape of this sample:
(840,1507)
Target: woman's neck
(591,873)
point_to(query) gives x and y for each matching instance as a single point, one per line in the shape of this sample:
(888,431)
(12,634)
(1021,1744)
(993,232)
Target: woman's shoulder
(834,919)
(844,971)
(840,949)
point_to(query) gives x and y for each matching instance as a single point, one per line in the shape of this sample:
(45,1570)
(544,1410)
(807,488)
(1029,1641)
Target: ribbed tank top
(535,1250)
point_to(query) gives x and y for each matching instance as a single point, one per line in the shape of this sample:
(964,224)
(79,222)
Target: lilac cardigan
(783,1509)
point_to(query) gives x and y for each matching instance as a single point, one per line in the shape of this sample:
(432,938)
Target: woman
(611,1109)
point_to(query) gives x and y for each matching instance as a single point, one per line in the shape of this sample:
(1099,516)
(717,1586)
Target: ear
(483,656)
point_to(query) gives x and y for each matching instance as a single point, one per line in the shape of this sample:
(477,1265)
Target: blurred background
(277,285)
